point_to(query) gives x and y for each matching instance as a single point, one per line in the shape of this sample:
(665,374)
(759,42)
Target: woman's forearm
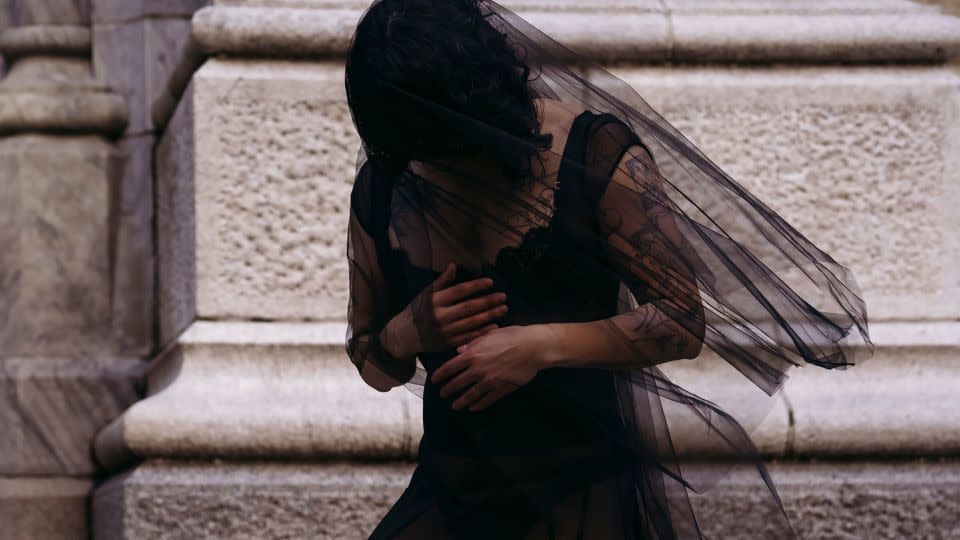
(400,339)
(640,338)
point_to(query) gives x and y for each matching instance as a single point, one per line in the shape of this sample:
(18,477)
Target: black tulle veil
(772,300)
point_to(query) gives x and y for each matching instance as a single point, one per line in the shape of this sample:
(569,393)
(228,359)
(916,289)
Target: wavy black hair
(419,72)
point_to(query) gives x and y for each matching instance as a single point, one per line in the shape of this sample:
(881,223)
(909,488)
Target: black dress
(650,248)
(550,459)
(537,456)
(577,452)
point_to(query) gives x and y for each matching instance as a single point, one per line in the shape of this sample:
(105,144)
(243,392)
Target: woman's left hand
(493,365)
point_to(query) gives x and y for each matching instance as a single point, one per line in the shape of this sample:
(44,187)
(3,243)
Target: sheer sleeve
(661,315)
(371,303)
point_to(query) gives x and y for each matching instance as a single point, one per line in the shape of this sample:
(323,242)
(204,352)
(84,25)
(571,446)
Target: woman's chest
(544,275)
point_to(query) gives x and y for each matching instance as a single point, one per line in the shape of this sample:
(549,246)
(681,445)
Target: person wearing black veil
(527,249)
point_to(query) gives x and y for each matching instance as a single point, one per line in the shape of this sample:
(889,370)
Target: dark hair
(420,71)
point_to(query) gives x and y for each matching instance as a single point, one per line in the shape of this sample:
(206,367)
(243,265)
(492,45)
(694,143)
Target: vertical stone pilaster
(75,313)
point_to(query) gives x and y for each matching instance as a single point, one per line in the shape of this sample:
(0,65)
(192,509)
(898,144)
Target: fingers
(473,306)
(446,277)
(470,323)
(459,383)
(450,368)
(454,293)
(487,399)
(463,339)
(474,394)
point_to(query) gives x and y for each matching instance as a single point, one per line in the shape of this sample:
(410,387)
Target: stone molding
(45,39)
(260,391)
(247,390)
(49,86)
(100,112)
(687,33)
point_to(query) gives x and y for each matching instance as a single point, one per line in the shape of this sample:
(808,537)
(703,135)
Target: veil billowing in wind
(678,236)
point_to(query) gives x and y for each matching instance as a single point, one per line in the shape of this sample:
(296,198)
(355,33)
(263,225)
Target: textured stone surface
(56,264)
(262,501)
(341,501)
(270,154)
(896,500)
(861,161)
(277,151)
(51,408)
(43,508)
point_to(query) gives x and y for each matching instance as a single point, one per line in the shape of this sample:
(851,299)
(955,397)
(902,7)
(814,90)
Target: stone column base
(163,499)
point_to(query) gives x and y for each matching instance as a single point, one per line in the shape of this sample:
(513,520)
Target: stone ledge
(684,36)
(287,391)
(937,334)
(63,112)
(838,7)
(884,500)
(270,397)
(815,38)
(42,39)
(722,7)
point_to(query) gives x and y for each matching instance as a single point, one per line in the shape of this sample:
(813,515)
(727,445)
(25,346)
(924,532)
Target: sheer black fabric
(625,228)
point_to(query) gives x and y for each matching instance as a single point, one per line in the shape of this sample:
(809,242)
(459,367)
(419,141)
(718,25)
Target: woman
(542,243)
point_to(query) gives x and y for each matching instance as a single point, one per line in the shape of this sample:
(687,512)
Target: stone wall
(192,212)
(76,268)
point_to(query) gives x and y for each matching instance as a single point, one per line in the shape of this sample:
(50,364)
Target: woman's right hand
(442,316)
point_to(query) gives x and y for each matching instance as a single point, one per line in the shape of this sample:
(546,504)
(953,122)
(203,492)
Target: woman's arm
(374,336)
(646,248)
(382,340)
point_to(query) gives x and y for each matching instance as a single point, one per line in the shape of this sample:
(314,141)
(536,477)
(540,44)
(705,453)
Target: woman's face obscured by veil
(414,63)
